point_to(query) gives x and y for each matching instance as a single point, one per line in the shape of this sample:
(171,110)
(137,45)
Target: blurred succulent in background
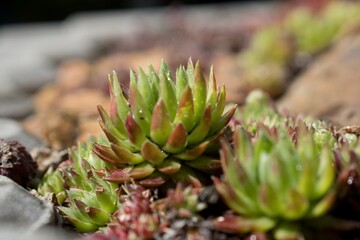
(259,108)
(275,184)
(313,33)
(16,163)
(264,63)
(163,130)
(89,200)
(279,51)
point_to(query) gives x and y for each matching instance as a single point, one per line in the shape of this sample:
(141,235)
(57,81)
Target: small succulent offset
(163,131)
(275,182)
(135,219)
(87,200)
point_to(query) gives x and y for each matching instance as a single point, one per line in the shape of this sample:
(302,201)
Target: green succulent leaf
(167,90)
(202,129)
(222,122)
(122,105)
(139,108)
(193,153)
(161,125)
(134,132)
(185,111)
(169,166)
(199,93)
(145,89)
(118,131)
(177,139)
(126,156)
(152,153)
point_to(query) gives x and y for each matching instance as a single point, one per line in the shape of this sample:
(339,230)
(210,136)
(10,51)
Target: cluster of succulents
(164,131)
(83,196)
(284,175)
(278,50)
(134,219)
(281,175)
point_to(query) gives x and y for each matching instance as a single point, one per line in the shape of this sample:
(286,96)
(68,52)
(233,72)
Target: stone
(17,106)
(15,231)
(18,206)
(329,88)
(83,102)
(8,88)
(11,130)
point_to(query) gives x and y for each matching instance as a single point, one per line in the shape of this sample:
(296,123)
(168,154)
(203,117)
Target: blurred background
(55,57)
(41,10)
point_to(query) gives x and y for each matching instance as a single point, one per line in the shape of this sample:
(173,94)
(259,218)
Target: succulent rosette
(86,199)
(163,130)
(275,182)
(135,219)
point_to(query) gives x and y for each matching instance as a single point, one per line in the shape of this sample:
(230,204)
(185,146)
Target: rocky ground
(33,56)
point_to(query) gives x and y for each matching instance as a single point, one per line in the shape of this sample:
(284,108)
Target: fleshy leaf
(108,155)
(167,90)
(199,93)
(134,132)
(240,225)
(123,175)
(125,155)
(211,92)
(154,180)
(152,153)
(161,126)
(155,82)
(296,205)
(193,153)
(117,94)
(185,111)
(222,122)
(145,90)
(202,129)
(218,109)
(114,139)
(177,140)
(169,166)
(139,107)
(181,82)
(118,131)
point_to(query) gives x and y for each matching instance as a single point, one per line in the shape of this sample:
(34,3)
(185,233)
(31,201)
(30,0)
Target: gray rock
(8,88)
(16,232)
(18,106)
(18,206)
(12,130)
(329,88)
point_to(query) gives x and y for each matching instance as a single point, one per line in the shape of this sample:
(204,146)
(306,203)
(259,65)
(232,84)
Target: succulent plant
(313,33)
(279,51)
(264,63)
(87,200)
(135,219)
(163,130)
(259,108)
(16,163)
(274,183)
(53,183)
